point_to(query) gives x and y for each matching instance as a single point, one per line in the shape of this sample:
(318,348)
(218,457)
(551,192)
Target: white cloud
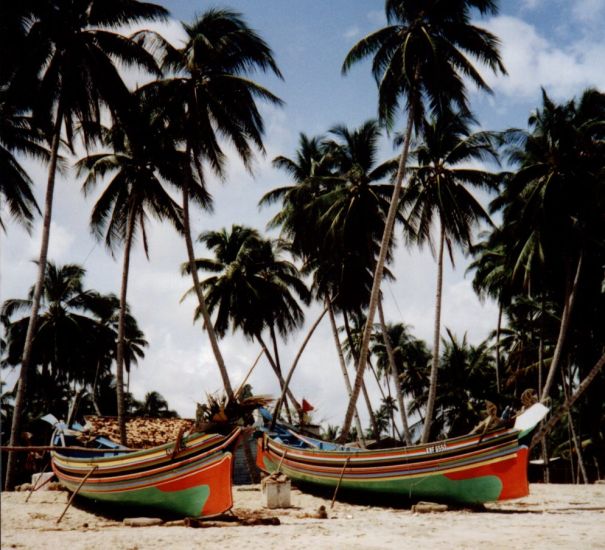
(351,32)
(534,60)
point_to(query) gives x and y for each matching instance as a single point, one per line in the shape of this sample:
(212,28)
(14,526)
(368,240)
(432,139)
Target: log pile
(142,433)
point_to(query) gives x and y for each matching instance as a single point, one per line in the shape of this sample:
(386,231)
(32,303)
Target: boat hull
(473,481)
(203,489)
(192,481)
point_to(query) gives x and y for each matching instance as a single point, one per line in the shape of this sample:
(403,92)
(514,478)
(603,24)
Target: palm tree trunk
(121,330)
(95,401)
(19,408)
(395,374)
(576,442)
(280,378)
(498,331)
(430,405)
(565,317)
(382,256)
(294,364)
(200,296)
(364,389)
(345,374)
(564,409)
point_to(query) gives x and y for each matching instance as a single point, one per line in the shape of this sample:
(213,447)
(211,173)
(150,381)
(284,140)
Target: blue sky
(558,44)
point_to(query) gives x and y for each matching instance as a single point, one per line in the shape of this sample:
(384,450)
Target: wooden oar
(342,473)
(76,492)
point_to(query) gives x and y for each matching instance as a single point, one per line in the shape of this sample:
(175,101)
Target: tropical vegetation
(526,207)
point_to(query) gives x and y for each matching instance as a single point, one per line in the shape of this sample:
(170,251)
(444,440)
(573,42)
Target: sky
(555,44)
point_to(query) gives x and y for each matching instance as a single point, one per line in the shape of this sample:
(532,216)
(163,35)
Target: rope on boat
(342,473)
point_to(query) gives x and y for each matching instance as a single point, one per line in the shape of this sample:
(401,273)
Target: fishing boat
(189,477)
(470,469)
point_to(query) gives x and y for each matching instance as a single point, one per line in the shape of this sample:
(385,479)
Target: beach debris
(243,518)
(320,513)
(142,522)
(428,507)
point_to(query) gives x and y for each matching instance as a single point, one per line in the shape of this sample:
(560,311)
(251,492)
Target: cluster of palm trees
(61,89)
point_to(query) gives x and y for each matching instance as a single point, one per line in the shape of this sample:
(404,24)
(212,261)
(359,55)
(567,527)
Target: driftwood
(228,520)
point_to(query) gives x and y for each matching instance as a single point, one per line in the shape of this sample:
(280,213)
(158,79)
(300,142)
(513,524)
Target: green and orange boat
(190,477)
(471,469)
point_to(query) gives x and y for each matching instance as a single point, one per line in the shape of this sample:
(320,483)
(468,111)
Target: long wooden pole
(73,495)
(342,473)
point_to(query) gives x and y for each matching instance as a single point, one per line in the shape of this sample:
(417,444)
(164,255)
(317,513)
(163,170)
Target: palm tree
(420,57)
(253,288)
(466,382)
(438,192)
(388,354)
(68,331)
(312,172)
(212,96)
(70,47)
(493,278)
(135,191)
(554,224)
(18,135)
(154,405)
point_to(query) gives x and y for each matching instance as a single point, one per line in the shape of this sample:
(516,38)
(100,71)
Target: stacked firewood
(141,433)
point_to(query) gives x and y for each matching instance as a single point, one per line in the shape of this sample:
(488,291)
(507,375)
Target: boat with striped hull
(471,469)
(190,478)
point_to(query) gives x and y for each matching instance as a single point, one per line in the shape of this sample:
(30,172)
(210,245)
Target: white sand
(553,516)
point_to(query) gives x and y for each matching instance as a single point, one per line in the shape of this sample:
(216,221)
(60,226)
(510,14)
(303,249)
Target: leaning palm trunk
(565,317)
(19,408)
(200,297)
(121,330)
(282,383)
(293,367)
(430,405)
(345,374)
(364,389)
(498,334)
(574,437)
(564,409)
(395,374)
(378,273)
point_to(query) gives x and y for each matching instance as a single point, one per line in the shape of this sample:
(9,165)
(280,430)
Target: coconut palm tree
(70,338)
(420,57)
(211,97)
(70,50)
(135,191)
(554,224)
(18,135)
(438,193)
(253,288)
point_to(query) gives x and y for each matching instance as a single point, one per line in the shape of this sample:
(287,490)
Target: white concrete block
(276,492)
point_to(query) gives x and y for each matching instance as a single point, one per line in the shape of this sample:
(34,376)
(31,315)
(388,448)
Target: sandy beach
(553,516)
